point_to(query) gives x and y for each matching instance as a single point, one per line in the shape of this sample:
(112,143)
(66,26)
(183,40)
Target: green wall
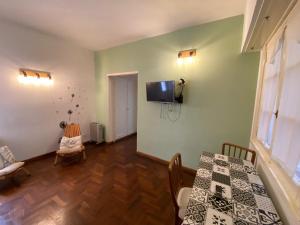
(219,95)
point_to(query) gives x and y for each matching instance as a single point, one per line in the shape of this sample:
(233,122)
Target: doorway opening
(122,99)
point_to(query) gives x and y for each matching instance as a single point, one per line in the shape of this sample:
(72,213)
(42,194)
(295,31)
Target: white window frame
(258,101)
(285,186)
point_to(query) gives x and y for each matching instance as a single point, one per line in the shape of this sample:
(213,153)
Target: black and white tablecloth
(228,191)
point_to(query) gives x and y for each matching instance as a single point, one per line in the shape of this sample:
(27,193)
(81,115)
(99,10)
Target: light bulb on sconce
(186,56)
(189,60)
(179,61)
(35,77)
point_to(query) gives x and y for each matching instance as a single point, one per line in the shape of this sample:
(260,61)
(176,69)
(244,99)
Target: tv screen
(161,91)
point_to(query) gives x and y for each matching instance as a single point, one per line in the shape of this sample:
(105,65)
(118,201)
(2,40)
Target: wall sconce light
(35,77)
(186,56)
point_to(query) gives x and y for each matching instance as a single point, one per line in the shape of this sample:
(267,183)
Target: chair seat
(70,150)
(183,200)
(11,168)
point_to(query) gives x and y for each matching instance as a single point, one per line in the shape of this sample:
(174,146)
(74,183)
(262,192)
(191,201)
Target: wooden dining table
(227,191)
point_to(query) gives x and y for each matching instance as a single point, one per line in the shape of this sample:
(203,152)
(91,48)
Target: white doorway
(122,105)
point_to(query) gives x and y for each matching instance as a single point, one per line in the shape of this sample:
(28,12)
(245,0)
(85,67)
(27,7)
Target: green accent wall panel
(218,98)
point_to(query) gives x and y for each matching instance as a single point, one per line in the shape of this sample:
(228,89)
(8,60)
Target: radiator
(97,132)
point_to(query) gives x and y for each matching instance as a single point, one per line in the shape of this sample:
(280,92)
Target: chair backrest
(6,157)
(72,130)
(238,152)
(175,178)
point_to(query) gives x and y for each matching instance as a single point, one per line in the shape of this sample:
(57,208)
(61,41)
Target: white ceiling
(100,24)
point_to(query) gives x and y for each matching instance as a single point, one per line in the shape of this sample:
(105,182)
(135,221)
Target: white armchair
(8,164)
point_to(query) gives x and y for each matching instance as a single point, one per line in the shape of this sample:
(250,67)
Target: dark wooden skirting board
(165,162)
(141,154)
(48,154)
(52,154)
(40,157)
(123,138)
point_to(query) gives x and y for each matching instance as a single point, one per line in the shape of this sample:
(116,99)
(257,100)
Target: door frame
(111,136)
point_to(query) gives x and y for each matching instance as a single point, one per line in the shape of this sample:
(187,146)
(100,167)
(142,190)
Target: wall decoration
(70,106)
(63,124)
(70,112)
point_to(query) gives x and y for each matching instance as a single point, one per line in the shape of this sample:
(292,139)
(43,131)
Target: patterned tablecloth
(228,191)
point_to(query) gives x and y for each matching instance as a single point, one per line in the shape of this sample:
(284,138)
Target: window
(268,108)
(279,115)
(296,177)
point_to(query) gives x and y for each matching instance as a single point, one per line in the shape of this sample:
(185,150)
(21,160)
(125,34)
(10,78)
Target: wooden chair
(10,171)
(180,194)
(238,152)
(71,130)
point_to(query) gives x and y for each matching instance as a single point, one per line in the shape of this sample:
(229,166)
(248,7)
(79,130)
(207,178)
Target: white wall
(29,115)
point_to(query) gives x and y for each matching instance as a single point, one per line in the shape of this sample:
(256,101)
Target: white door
(120,109)
(132,104)
(125,105)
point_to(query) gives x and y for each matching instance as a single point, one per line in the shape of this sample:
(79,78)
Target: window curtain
(286,145)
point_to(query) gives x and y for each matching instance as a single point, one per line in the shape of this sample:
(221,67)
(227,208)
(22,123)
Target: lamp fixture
(186,56)
(36,77)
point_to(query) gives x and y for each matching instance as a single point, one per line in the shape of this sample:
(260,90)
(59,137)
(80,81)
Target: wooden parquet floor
(113,187)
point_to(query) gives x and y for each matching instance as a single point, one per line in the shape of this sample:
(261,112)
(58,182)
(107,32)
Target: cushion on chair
(2,162)
(70,142)
(70,150)
(181,213)
(11,168)
(6,157)
(183,200)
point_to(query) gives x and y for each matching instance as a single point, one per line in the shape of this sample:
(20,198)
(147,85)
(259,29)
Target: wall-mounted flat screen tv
(161,91)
